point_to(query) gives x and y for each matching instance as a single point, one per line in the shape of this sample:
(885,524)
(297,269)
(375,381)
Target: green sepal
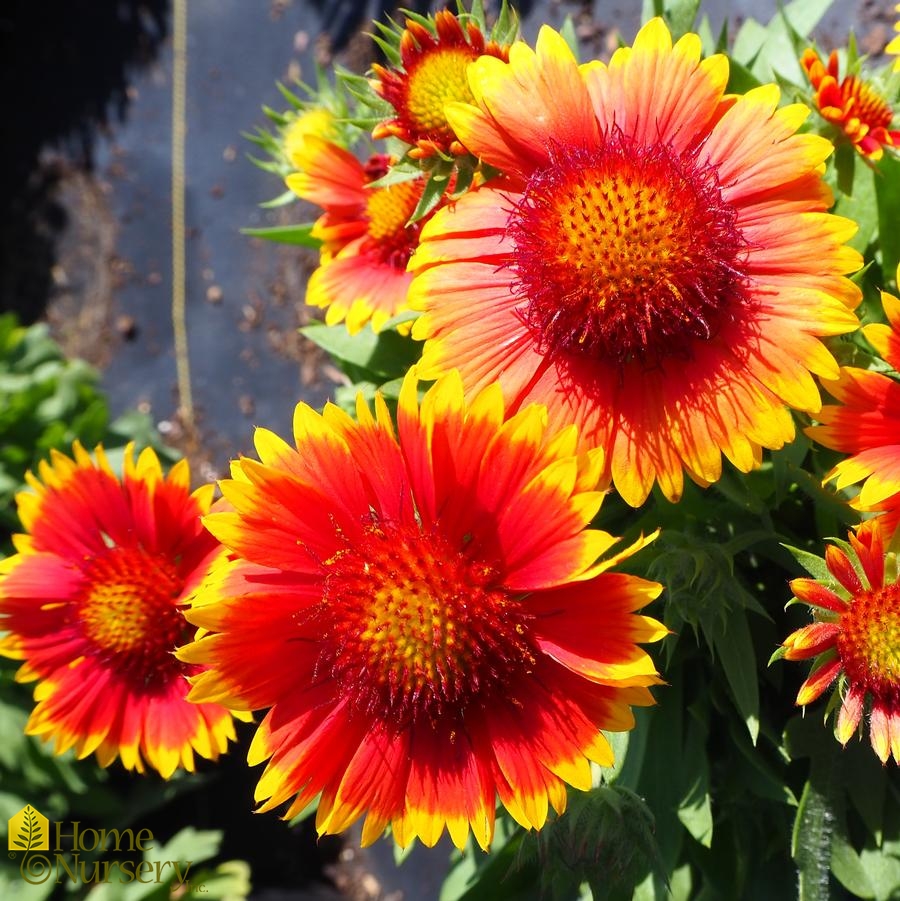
(299,235)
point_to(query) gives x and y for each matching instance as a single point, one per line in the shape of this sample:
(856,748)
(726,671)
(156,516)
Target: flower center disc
(869,641)
(128,611)
(625,252)
(418,629)
(438,78)
(388,210)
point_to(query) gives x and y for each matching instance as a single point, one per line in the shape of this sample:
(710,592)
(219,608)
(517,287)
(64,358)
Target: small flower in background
(92,604)
(423,612)
(365,232)
(865,424)
(854,638)
(322,110)
(852,105)
(893,46)
(316,121)
(656,265)
(433,60)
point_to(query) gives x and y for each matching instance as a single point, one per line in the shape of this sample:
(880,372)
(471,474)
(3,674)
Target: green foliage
(680,15)
(335,97)
(888,202)
(771,52)
(227,881)
(299,235)
(371,361)
(46,402)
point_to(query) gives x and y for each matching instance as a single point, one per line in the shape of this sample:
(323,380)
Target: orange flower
(866,423)
(657,265)
(423,612)
(851,105)
(854,636)
(367,241)
(93,604)
(433,73)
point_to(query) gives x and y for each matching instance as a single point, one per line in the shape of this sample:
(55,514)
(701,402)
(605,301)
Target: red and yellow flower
(432,73)
(852,105)
(865,424)
(423,613)
(854,638)
(365,232)
(93,604)
(656,265)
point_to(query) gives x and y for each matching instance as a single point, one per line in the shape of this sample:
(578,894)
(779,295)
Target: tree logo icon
(29,831)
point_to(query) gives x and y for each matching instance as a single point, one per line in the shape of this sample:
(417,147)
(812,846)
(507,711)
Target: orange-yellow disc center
(418,627)
(389,209)
(869,640)
(410,631)
(625,252)
(438,78)
(128,608)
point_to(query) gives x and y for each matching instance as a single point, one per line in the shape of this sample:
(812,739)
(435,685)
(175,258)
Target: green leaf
(619,743)
(650,9)
(400,319)
(286,234)
(279,201)
(392,55)
(883,873)
(570,37)
(435,188)
(506,28)
(681,15)
(659,774)
(474,876)
(805,15)
(868,787)
(710,43)
(887,193)
(695,809)
(12,728)
(387,355)
(398,174)
(731,641)
(229,881)
(813,564)
(859,203)
(188,845)
(845,167)
(849,869)
(747,44)
(771,51)
(754,771)
(14,888)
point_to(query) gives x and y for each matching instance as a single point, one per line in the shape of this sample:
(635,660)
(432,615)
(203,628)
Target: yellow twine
(179,132)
